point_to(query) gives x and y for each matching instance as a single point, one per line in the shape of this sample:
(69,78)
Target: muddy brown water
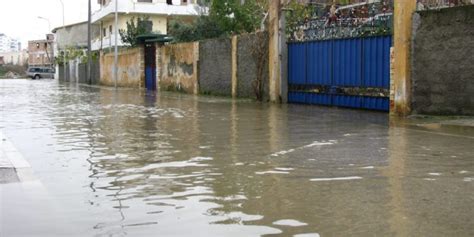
(127,163)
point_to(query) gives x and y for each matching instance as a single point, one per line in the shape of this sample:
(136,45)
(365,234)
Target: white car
(40,72)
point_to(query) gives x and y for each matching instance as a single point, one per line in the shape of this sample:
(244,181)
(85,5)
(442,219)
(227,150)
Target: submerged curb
(13,166)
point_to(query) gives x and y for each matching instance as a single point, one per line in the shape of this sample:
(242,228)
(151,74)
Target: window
(169,2)
(104,32)
(110,30)
(148,25)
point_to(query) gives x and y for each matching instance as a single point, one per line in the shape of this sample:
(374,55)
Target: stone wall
(131,71)
(177,67)
(227,67)
(248,63)
(215,67)
(442,55)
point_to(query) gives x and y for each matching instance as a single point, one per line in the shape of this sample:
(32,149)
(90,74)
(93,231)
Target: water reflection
(129,163)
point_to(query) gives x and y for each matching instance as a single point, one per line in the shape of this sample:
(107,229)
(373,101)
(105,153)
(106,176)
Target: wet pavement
(124,163)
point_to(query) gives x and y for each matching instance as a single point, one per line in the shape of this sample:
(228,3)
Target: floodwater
(126,163)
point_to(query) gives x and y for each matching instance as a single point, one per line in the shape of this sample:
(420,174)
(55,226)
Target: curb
(12,160)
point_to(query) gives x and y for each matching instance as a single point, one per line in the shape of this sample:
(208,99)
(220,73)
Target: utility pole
(64,49)
(116,42)
(89,38)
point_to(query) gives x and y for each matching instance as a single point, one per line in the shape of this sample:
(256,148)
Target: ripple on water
(290,222)
(307,235)
(272,172)
(336,179)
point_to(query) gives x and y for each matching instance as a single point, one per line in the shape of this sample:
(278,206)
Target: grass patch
(19,70)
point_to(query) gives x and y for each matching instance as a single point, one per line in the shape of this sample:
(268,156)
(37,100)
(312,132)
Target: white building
(8,44)
(19,58)
(158,11)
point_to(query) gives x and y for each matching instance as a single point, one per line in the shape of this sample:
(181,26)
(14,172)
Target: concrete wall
(178,65)
(130,68)
(215,67)
(77,72)
(442,61)
(95,73)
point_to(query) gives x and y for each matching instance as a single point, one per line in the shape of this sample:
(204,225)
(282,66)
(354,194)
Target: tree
(141,26)
(226,17)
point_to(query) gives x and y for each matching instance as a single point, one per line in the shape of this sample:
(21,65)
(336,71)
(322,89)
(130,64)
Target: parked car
(40,72)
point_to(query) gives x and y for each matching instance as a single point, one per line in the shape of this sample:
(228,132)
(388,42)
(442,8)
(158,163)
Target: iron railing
(439,4)
(369,18)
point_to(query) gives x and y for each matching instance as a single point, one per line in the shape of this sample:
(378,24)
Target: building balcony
(156,7)
(106,42)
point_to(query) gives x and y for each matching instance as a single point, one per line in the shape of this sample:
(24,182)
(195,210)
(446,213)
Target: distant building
(40,52)
(73,36)
(158,11)
(8,44)
(19,58)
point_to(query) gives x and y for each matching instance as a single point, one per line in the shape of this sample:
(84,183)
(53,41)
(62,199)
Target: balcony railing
(160,8)
(106,42)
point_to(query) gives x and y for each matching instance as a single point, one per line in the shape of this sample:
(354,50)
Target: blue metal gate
(341,72)
(150,67)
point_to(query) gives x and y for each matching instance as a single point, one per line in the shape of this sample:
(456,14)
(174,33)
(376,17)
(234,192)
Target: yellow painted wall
(130,68)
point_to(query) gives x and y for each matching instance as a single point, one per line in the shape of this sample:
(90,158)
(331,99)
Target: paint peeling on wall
(179,67)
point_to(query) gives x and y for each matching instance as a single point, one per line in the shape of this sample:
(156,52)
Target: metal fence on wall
(439,4)
(359,19)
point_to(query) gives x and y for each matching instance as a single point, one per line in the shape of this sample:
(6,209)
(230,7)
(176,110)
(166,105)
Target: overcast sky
(19,18)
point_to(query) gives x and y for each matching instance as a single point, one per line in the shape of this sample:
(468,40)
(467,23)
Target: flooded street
(124,163)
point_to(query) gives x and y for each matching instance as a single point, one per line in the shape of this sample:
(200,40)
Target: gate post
(402,65)
(274,63)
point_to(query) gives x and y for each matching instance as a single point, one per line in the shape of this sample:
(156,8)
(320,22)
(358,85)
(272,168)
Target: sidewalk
(13,167)
(460,125)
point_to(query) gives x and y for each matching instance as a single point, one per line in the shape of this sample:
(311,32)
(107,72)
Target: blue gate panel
(297,97)
(347,62)
(347,101)
(297,64)
(376,103)
(376,61)
(149,78)
(350,63)
(319,98)
(319,63)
